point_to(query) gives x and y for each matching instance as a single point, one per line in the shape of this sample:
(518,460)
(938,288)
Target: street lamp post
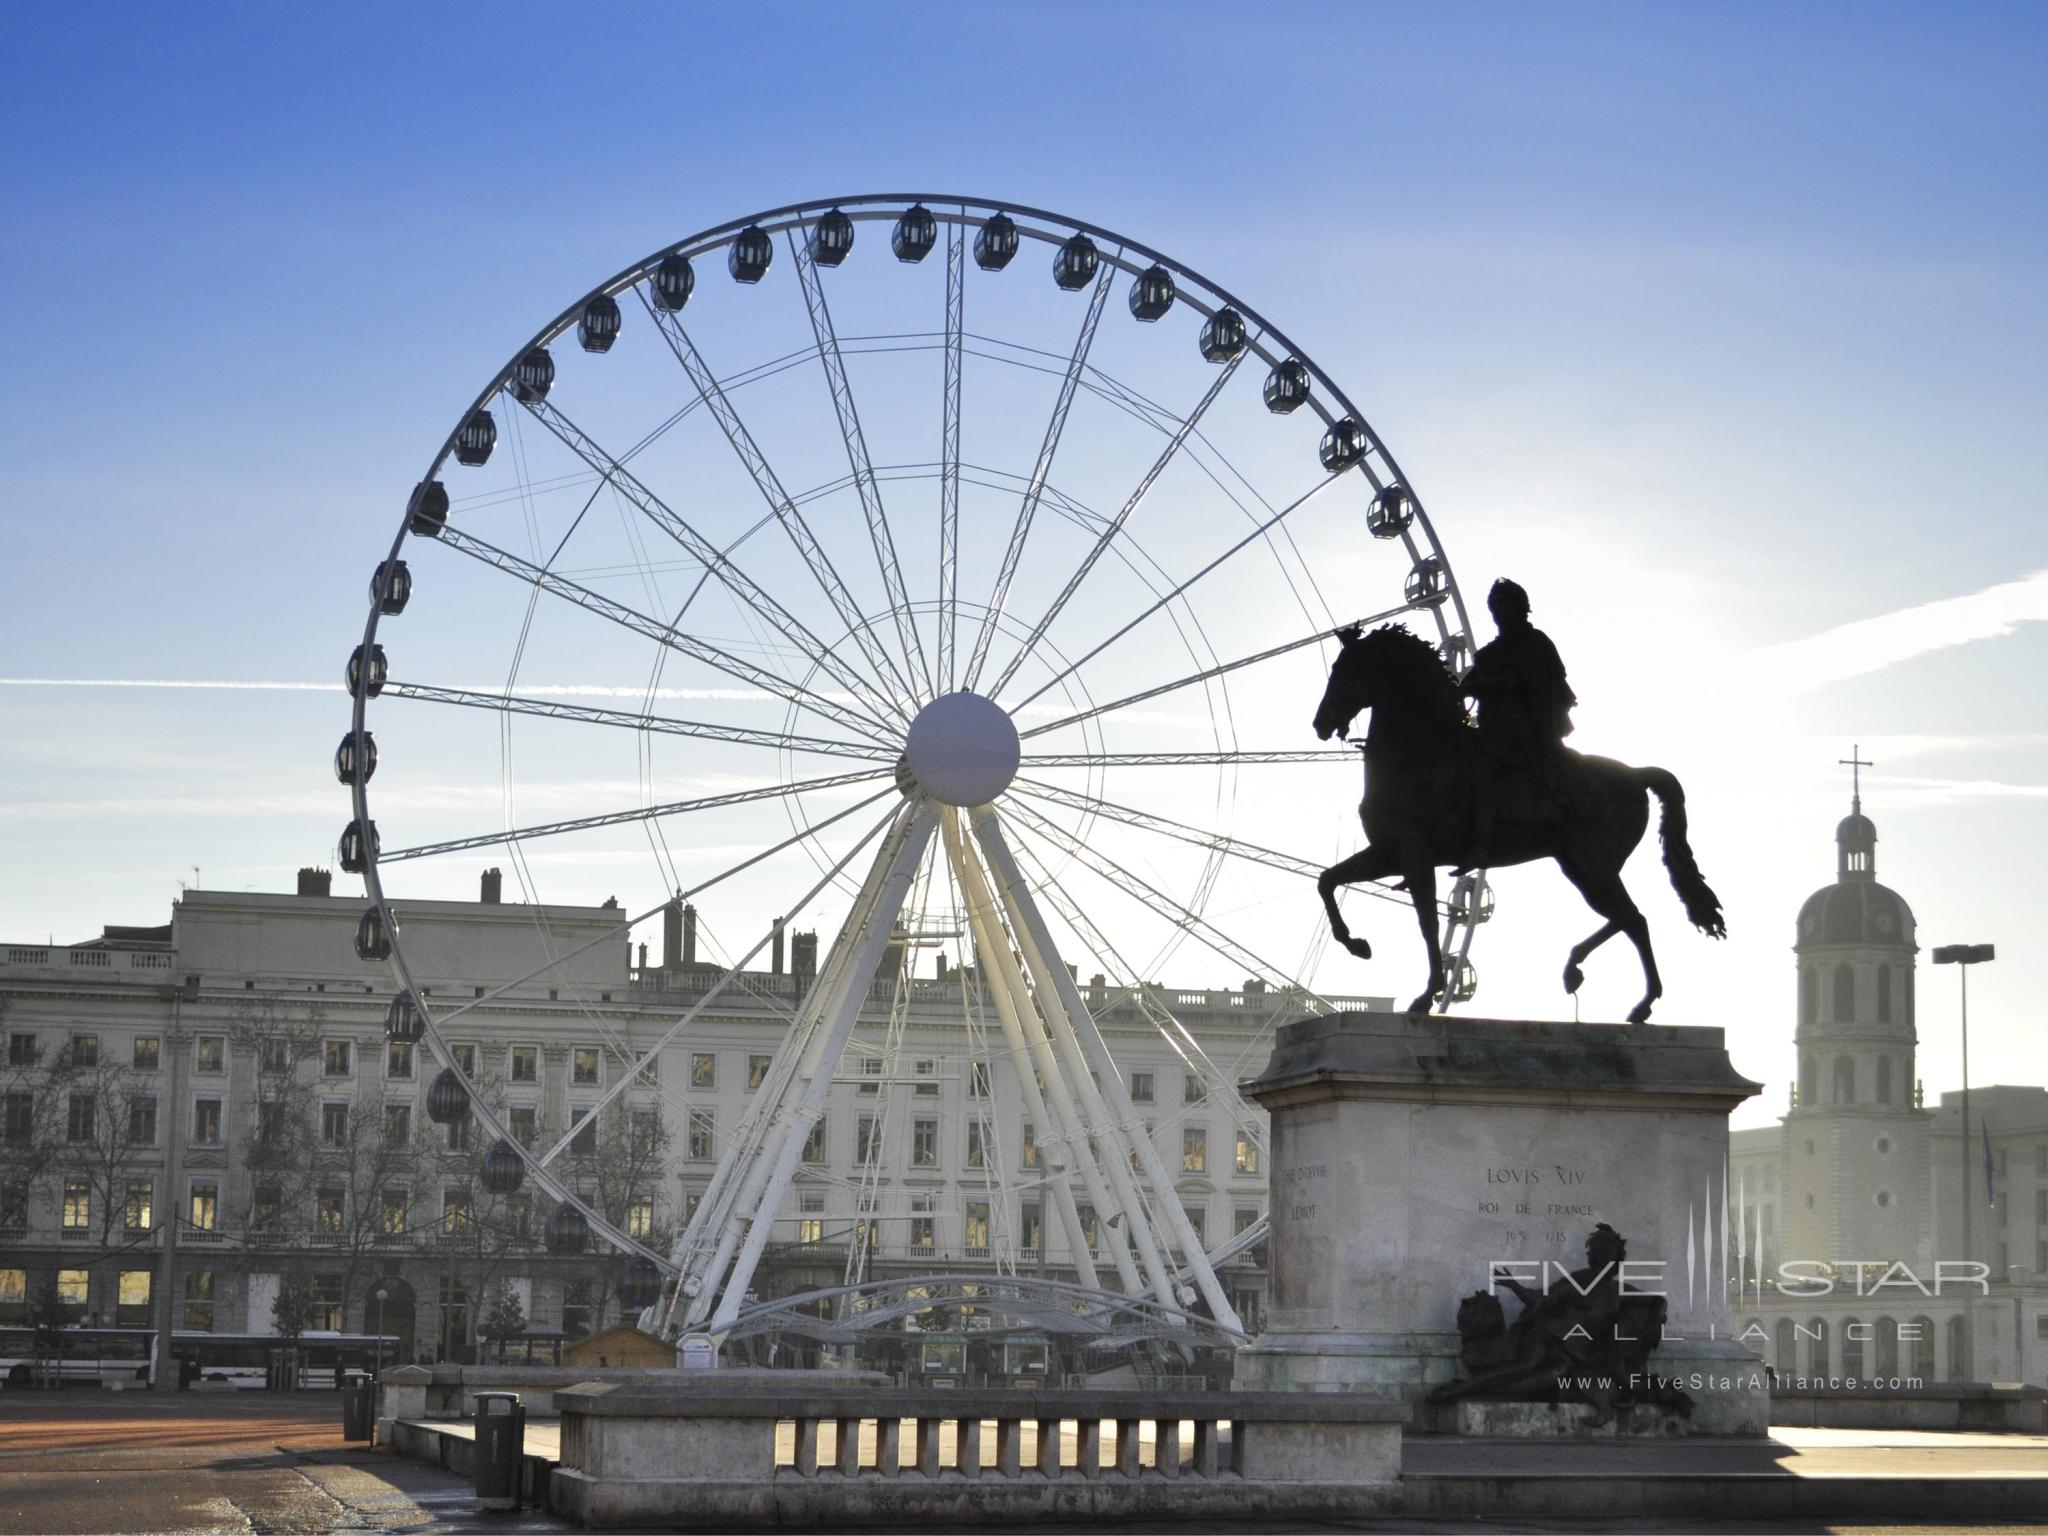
(378,1296)
(1963,956)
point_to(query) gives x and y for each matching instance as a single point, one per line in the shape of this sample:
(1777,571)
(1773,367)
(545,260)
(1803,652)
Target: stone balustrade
(681,1456)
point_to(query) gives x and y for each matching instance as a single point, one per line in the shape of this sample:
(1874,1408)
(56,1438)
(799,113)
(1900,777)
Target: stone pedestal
(1409,1155)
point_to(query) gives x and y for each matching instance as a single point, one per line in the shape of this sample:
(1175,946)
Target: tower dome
(1855,909)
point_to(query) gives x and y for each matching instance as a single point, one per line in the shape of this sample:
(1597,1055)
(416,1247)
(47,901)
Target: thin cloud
(1872,645)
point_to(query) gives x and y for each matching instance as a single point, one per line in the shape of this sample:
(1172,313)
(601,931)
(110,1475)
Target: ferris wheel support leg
(1001,966)
(1065,1016)
(746,1166)
(1077,1132)
(1054,981)
(863,938)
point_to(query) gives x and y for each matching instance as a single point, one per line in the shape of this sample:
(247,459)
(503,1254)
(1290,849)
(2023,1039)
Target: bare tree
(619,1168)
(284,1037)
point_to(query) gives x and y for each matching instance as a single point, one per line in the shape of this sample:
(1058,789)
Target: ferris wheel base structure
(1415,1158)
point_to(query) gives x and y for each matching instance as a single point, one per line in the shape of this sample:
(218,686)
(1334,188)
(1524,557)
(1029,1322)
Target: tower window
(1809,1084)
(1884,1078)
(1845,1080)
(1845,994)
(1809,995)
(1884,994)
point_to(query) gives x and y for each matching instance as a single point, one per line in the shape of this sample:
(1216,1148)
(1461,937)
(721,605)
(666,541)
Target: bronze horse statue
(1423,777)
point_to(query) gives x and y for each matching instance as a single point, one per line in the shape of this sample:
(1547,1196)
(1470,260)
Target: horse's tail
(1702,906)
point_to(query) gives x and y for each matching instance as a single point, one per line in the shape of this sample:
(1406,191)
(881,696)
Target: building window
(1845,994)
(454,1211)
(398,1058)
(977,1080)
(273,1054)
(1198,1222)
(525,1063)
(461,1134)
(810,1225)
(867,1141)
(1194,1149)
(814,1143)
(199,1300)
(871,1067)
(646,1131)
(924,1143)
(700,1135)
(583,1064)
(1247,1154)
(757,1071)
(266,1207)
(1091,1228)
(1030,1153)
(330,1211)
(1884,994)
(20,1119)
(74,1287)
(271,1125)
(525,1126)
(1137,1164)
(21,1052)
(584,1142)
(325,1315)
(640,1217)
(84,1114)
(398,1125)
(336,1059)
(148,1053)
(927,1075)
(13,1205)
(977,1152)
(77,1206)
(334,1123)
(135,1286)
(703,1069)
(205,1205)
(394,1211)
(210,1054)
(974,1233)
(206,1122)
(1845,1080)
(1141,1087)
(921,1221)
(1031,1226)
(464,1057)
(1193,1090)
(85,1050)
(138,1211)
(577,1307)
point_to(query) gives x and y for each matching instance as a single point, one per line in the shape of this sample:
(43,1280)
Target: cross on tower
(1855,762)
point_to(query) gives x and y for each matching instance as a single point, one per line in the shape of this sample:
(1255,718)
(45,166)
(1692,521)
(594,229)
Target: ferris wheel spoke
(637,814)
(664,634)
(857,456)
(1154,899)
(716,563)
(663,725)
(786,513)
(1208,672)
(1181,588)
(1183,759)
(1035,489)
(949,451)
(1115,524)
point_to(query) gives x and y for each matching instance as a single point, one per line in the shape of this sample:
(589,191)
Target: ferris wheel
(944,573)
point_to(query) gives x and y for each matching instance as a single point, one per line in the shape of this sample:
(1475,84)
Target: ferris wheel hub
(963,749)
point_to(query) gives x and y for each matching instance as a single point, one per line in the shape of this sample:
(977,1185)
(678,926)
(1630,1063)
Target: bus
(126,1357)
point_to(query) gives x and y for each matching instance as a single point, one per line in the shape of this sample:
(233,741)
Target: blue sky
(1721,327)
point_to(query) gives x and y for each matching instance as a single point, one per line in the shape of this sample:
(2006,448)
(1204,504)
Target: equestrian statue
(1444,788)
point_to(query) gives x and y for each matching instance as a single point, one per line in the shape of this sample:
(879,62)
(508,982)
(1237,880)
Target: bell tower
(1855,1137)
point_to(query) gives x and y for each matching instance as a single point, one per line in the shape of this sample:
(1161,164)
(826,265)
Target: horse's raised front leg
(1421,881)
(1367,864)
(1573,976)
(1606,895)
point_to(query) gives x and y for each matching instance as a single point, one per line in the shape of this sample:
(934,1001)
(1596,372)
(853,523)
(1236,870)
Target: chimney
(803,957)
(493,888)
(315,882)
(643,957)
(942,965)
(689,935)
(1098,990)
(671,936)
(775,953)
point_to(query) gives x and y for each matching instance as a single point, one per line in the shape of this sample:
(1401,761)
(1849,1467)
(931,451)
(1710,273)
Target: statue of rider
(1525,705)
